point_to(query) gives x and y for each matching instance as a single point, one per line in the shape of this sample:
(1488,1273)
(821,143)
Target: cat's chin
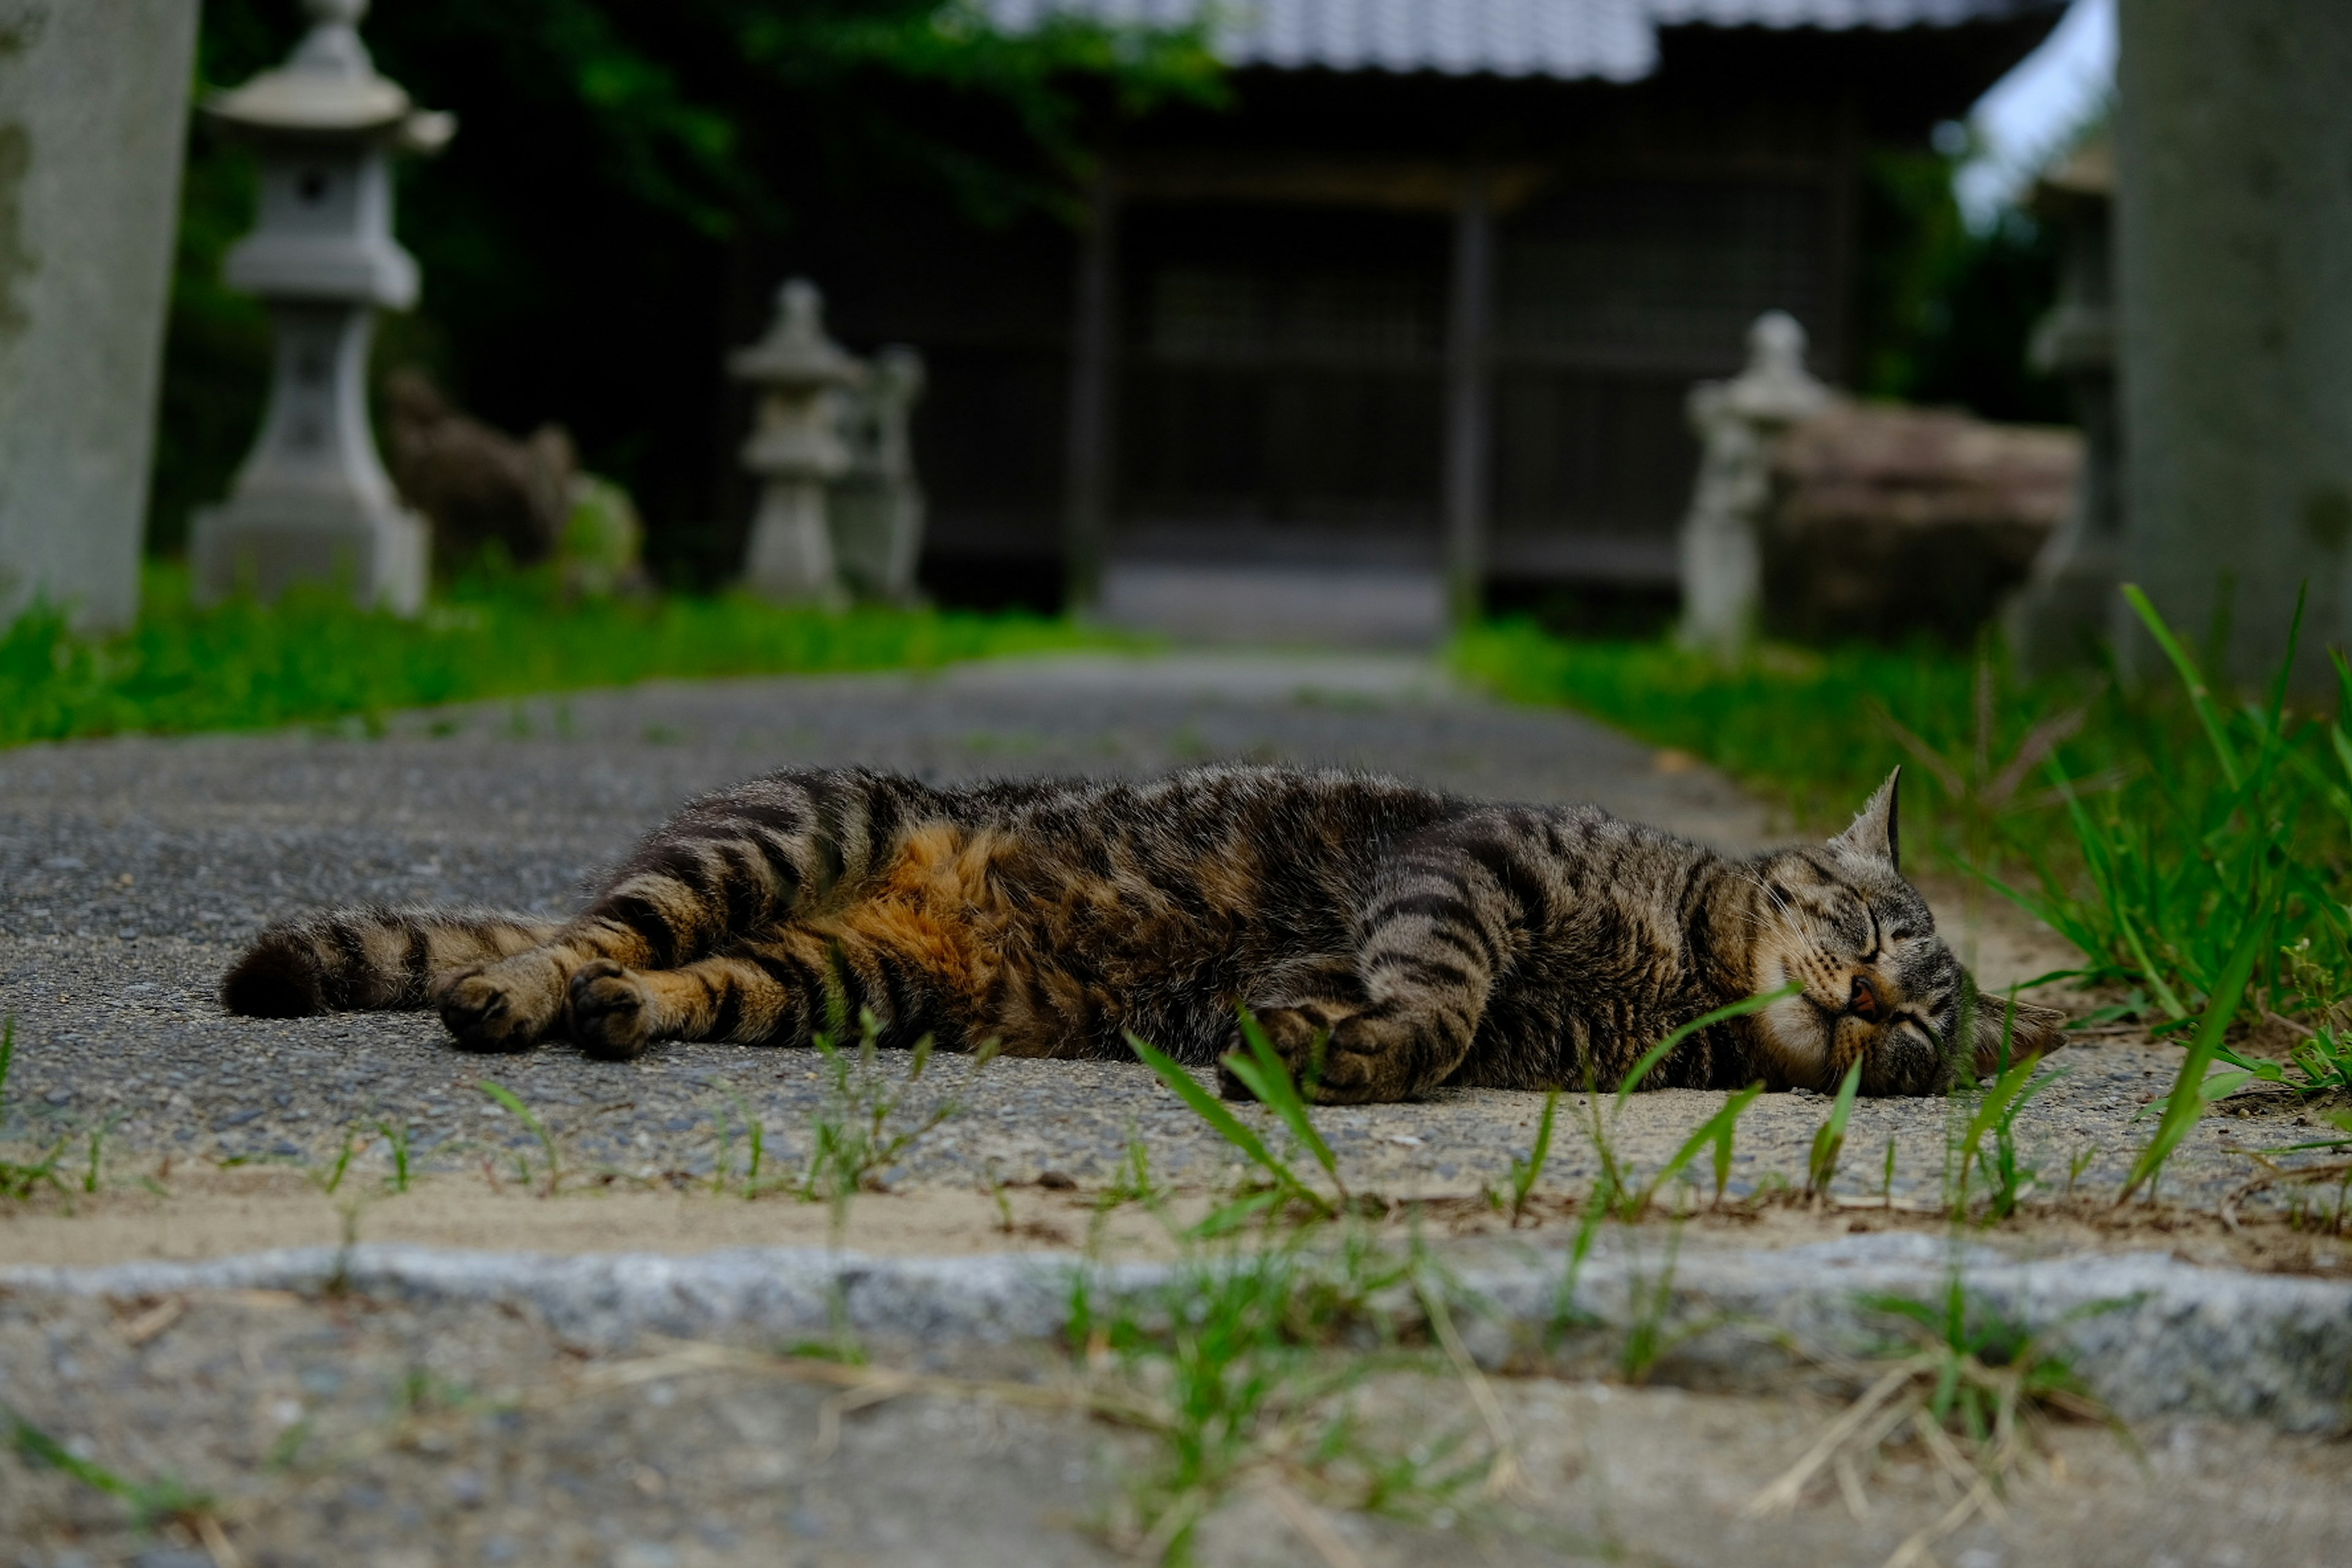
(1795,1042)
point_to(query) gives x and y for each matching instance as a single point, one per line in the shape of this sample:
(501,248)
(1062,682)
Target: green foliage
(2175,820)
(1616,1192)
(852,1139)
(1289,1186)
(396,1135)
(18,1180)
(1976,1376)
(1829,1140)
(637,165)
(1228,1365)
(1650,1333)
(1994,1111)
(314,656)
(1947,313)
(2192,1088)
(504,1096)
(1800,725)
(1526,1172)
(152,1501)
(1984,1367)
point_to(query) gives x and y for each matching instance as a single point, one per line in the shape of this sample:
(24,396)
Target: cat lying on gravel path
(1391,938)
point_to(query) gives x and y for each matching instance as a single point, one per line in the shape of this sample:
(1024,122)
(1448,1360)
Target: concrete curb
(2151,1335)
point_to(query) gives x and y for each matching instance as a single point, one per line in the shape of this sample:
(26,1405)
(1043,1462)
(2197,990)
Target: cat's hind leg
(728,866)
(371,959)
(776,990)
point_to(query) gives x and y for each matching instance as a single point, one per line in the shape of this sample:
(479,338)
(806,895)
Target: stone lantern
(795,447)
(877,504)
(313,502)
(2066,609)
(1721,551)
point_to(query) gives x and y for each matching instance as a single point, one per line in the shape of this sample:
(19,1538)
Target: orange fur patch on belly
(935,908)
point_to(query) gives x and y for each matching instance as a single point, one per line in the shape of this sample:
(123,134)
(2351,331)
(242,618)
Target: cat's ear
(2024,1028)
(1873,834)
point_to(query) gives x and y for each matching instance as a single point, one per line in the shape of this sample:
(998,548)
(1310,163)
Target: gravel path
(131,870)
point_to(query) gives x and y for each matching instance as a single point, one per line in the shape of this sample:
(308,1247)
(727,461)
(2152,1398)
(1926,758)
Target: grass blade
(1265,1074)
(1657,1053)
(1829,1142)
(2188,1099)
(2199,697)
(1715,1129)
(1228,1126)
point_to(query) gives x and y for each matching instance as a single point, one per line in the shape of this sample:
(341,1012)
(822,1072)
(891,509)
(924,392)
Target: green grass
(312,656)
(2195,844)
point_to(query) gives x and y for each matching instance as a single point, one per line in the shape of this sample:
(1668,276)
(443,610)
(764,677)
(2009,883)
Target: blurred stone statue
(480,487)
(876,505)
(840,513)
(313,501)
(1720,552)
(796,448)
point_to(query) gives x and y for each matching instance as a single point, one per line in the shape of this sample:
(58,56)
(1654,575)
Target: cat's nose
(1864,1002)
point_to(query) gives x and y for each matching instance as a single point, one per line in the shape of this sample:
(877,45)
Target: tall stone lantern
(313,502)
(1721,551)
(795,447)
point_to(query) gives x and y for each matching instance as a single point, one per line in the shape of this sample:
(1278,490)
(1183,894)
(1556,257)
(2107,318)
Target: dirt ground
(337,1430)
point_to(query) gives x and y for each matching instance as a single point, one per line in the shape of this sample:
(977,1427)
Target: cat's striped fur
(1403,938)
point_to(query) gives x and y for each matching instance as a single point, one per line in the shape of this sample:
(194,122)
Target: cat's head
(1878,982)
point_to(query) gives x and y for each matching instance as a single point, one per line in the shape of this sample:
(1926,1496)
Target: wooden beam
(1468,445)
(1094,330)
(1257,177)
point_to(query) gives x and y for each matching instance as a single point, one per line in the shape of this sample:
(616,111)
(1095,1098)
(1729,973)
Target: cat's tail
(371,959)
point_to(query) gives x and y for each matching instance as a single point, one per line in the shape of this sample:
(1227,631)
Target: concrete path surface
(131,870)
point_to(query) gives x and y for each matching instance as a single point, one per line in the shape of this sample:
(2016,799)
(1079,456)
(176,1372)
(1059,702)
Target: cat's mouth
(1834,1017)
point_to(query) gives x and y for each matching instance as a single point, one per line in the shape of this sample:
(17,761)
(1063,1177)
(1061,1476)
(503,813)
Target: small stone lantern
(796,448)
(313,502)
(877,504)
(1721,551)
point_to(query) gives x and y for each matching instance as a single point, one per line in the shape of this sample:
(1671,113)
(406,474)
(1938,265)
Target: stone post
(2235,303)
(312,502)
(2061,615)
(93,118)
(1721,549)
(877,504)
(796,448)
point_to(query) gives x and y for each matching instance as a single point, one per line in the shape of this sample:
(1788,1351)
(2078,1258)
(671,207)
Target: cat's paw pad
(484,1014)
(608,1010)
(1299,1036)
(1336,1056)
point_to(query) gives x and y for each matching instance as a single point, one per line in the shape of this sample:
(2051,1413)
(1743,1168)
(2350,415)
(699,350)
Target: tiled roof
(1616,40)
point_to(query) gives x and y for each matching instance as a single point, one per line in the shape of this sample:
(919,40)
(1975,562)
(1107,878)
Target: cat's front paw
(486,1011)
(1336,1057)
(608,1008)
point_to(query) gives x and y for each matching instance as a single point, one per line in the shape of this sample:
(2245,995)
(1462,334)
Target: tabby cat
(1401,938)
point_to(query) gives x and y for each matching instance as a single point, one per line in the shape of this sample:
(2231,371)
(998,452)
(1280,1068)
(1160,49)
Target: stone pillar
(2234,285)
(1721,549)
(796,448)
(93,118)
(1468,445)
(1090,439)
(312,502)
(2062,615)
(877,503)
